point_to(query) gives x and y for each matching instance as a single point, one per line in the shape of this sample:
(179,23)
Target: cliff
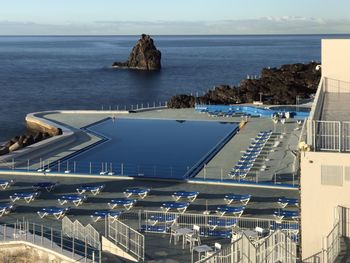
(275,85)
(144,56)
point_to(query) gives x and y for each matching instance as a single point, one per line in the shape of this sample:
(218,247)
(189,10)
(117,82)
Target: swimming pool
(290,108)
(152,148)
(296,112)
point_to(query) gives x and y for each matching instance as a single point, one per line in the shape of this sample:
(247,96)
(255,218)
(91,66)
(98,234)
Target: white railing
(49,238)
(277,247)
(332,250)
(315,113)
(86,233)
(316,108)
(333,243)
(187,220)
(127,238)
(328,135)
(337,86)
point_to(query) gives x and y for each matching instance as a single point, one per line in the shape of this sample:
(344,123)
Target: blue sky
(174,16)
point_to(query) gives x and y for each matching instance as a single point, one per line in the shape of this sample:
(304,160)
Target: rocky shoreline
(35,133)
(274,86)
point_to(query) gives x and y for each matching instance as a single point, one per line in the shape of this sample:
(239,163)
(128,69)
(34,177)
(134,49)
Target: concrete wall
(110,247)
(336,59)
(319,202)
(18,251)
(42,147)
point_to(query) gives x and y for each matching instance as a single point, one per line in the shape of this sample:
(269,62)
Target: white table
(251,233)
(200,249)
(182,232)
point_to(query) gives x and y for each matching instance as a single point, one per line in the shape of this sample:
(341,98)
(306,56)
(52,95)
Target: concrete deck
(336,107)
(158,248)
(262,205)
(281,166)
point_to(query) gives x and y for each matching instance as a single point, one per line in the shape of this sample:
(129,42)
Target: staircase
(344,255)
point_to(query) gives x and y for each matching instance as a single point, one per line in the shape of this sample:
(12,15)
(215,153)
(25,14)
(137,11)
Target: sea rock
(144,56)
(181,101)
(16,146)
(28,140)
(38,137)
(276,85)
(4,150)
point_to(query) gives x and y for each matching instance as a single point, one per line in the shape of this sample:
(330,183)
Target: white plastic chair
(194,237)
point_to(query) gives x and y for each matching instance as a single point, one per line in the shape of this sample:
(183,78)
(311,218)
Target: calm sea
(45,73)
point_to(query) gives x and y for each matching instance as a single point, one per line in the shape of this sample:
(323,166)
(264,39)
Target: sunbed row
(128,202)
(250,155)
(214,226)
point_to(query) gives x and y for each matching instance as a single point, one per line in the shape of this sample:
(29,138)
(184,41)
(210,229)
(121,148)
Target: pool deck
(262,205)
(280,167)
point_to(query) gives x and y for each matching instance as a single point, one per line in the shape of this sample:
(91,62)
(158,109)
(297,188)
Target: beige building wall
(319,200)
(336,59)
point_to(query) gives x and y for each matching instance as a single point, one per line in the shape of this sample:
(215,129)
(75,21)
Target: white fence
(332,250)
(49,238)
(331,135)
(128,238)
(333,243)
(277,247)
(187,220)
(328,135)
(87,233)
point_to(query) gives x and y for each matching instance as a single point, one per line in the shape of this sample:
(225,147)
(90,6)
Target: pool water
(290,108)
(296,112)
(153,148)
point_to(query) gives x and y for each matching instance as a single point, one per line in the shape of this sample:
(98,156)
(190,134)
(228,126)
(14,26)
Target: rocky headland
(144,56)
(275,85)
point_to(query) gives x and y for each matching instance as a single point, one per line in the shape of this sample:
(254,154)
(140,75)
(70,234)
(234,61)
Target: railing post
(85,250)
(122,169)
(73,246)
(314,135)
(340,134)
(61,241)
(42,234)
(106,226)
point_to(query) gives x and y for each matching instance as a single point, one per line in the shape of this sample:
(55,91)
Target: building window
(332,175)
(347,173)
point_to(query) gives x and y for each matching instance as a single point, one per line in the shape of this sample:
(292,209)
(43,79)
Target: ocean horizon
(74,72)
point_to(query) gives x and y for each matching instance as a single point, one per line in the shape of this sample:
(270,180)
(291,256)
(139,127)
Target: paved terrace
(280,167)
(262,204)
(336,107)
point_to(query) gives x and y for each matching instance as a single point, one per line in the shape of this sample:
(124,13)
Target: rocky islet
(144,56)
